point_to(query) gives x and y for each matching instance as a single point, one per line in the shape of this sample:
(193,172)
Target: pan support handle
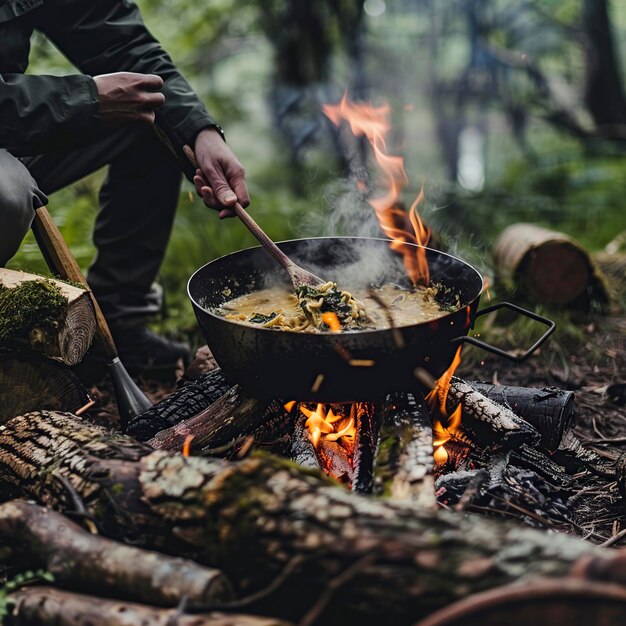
(518,358)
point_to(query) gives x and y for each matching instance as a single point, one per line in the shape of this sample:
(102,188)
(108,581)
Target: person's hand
(127,96)
(220,179)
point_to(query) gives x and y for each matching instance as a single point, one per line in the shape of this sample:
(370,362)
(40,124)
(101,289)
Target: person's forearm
(102,36)
(43,113)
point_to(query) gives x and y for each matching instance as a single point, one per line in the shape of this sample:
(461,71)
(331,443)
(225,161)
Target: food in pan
(325,308)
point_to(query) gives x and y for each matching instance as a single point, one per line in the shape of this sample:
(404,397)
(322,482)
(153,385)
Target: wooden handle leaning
(61,261)
(251,224)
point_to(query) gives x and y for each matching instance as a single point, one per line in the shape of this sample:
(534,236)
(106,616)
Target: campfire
(379,413)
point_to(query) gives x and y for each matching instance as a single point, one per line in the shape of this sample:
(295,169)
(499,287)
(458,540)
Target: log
(46,606)
(404,460)
(51,316)
(231,416)
(184,403)
(395,561)
(30,382)
(486,422)
(548,267)
(550,410)
(39,538)
(368,421)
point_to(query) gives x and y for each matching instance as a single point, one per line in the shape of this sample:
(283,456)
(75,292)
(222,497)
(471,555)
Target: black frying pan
(325,367)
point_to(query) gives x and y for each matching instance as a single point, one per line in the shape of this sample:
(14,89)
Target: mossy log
(30,382)
(394,562)
(47,606)
(548,267)
(53,317)
(40,538)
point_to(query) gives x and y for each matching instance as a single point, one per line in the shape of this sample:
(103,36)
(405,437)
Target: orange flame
(331,424)
(437,399)
(373,123)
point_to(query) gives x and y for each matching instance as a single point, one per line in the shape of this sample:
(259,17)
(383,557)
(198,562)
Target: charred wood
(183,404)
(301,449)
(404,459)
(550,410)
(46,606)
(486,422)
(231,416)
(368,418)
(37,537)
(253,517)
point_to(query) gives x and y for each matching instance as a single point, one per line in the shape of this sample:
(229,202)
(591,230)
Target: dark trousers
(137,204)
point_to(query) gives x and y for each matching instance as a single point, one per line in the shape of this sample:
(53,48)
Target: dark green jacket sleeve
(104,36)
(38,113)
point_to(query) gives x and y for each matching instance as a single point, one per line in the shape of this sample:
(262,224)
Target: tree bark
(70,336)
(46,606)
(404,460)
(43,539)
(397,562)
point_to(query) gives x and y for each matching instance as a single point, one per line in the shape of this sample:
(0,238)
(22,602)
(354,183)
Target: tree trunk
(46,606)
(54,318)
(395,561)
(604,94)
(40,538)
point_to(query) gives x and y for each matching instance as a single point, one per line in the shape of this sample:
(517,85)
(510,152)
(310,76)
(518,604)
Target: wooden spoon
(298,275)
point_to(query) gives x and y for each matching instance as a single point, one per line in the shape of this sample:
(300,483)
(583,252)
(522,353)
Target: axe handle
(61,261)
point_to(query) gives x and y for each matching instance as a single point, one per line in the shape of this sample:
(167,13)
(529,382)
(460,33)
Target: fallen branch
(41,538)
(46,606)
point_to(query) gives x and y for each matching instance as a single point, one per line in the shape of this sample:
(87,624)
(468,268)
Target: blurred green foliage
(223,48)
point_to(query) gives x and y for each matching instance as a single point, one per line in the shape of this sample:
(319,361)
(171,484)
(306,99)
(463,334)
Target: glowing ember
(437,399)
(187,445)
(373,123)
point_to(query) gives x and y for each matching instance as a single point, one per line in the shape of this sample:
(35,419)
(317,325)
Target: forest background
(504,110)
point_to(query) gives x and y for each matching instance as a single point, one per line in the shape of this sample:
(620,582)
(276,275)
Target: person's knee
(19,196)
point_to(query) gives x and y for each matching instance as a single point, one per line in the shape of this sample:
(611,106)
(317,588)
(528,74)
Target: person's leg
(137,205)
(19,197)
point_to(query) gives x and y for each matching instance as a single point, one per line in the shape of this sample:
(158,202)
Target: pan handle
(507,355)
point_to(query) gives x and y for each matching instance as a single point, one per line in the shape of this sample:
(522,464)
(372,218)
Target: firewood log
(40,538)
(487,422)
(46,606)
(182,404)
(547,266)
(51,316)
(396,562)
(404,461)
(550,410)
(30,382)
(234,414)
